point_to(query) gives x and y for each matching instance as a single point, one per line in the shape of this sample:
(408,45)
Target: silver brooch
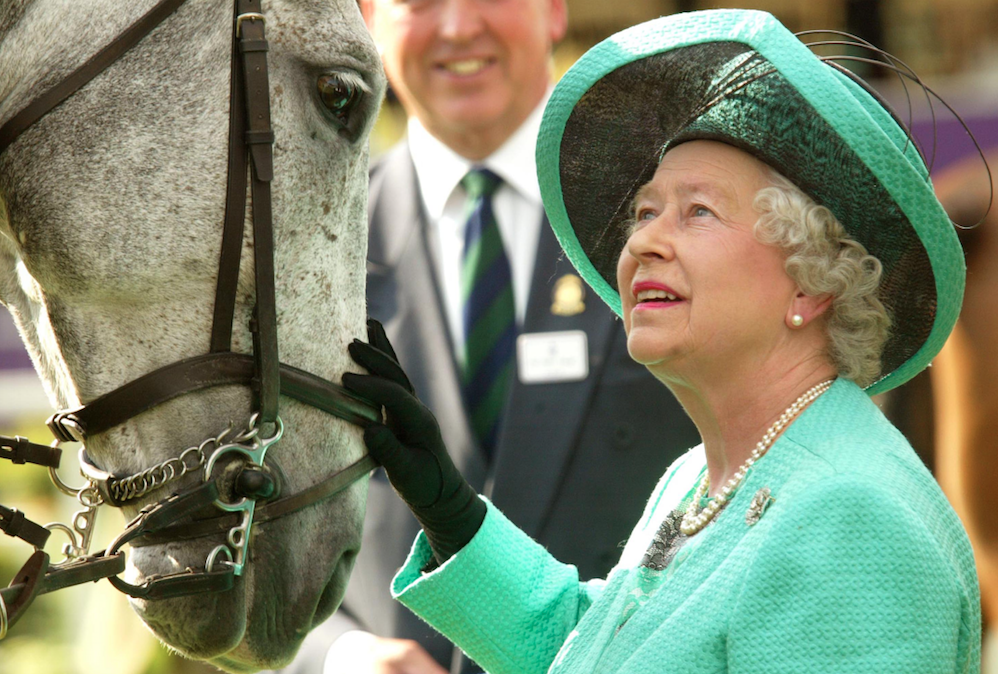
(759,503)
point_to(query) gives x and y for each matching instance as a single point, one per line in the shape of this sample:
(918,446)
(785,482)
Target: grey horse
(110,227)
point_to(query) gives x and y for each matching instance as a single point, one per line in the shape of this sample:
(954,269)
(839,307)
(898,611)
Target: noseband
(182,516)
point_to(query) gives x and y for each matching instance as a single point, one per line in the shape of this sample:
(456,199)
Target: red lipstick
(654,302)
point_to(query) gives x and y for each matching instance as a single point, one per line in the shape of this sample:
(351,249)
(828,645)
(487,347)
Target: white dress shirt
(516,204)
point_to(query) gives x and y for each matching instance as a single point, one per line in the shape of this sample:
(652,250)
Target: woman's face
(701,296)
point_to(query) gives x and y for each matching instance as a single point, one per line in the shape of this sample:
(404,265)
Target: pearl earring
(797,320)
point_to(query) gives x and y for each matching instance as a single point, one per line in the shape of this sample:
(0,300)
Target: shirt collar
(440,169)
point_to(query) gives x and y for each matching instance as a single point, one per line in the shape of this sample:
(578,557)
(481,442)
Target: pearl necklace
(694,521)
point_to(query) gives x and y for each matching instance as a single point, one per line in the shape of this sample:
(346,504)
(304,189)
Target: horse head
(110,229)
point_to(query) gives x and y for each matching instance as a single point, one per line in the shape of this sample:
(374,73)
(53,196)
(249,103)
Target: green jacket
(858,565)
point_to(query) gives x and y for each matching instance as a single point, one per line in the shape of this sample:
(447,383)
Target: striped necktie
(488,311)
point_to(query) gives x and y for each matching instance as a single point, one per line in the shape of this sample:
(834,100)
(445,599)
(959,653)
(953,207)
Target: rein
(182,516)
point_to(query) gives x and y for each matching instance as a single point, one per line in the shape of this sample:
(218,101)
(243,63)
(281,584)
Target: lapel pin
(759,503)
(569,296)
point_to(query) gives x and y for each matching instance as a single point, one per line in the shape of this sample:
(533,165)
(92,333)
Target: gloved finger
(378,338)
(386,448)
(377,362)
(401,405)
(415,473)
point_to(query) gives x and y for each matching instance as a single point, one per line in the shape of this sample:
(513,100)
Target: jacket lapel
(404,293)
(548,416)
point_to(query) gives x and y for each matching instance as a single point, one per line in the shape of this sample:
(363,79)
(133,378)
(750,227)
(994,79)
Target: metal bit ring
(209,564)
(57,481)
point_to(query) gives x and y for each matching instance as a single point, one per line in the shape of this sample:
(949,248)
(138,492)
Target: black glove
(411,450)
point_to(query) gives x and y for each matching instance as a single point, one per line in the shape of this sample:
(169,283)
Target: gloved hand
(411,450)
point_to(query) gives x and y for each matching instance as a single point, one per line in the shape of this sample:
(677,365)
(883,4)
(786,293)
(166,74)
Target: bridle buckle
(248,16)
(66,427)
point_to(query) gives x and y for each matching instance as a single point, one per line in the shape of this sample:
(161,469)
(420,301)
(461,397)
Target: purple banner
(952,141)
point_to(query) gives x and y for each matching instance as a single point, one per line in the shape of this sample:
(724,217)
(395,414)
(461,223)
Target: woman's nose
(654,239)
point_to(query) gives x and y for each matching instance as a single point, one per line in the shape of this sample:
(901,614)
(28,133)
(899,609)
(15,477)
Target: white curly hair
(823,259)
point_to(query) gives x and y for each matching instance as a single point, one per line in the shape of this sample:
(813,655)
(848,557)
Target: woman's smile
(651,295)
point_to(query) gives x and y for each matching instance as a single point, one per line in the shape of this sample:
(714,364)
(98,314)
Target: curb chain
(191,459)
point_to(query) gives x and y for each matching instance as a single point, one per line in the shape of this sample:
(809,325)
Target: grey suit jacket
(575,460)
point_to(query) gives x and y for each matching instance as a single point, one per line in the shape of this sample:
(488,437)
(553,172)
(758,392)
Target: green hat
(740,77)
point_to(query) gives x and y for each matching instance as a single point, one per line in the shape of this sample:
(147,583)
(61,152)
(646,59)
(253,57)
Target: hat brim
(624,100)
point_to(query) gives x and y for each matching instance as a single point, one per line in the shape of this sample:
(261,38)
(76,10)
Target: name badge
(547,357)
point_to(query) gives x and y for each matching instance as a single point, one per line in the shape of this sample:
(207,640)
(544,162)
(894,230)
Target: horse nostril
(255,483)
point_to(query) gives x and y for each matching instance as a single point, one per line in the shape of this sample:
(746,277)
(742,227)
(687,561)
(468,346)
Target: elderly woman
(769,235)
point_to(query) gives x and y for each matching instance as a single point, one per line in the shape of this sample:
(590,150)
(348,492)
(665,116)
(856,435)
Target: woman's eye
(702,212)
(645,214)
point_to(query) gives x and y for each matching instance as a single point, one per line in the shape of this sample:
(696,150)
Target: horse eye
(339,96)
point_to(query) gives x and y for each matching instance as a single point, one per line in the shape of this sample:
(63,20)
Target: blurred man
(539,404)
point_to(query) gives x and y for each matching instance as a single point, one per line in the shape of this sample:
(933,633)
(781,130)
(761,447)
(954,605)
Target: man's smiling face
(467,67)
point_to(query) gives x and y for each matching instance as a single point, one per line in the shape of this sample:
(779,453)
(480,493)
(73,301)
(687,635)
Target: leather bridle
(175,518)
